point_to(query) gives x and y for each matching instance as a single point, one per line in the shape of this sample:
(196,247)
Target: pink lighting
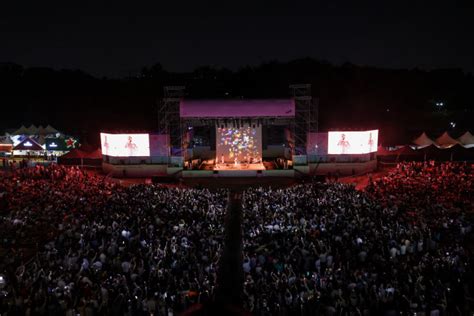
(236,108)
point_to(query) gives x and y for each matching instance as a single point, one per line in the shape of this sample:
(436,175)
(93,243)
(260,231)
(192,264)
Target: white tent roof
(5,140)
(32,130)
(467,140)
(50,130)
(446,141)
(423,141)
(22,130)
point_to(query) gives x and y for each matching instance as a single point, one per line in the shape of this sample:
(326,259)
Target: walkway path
(231,276)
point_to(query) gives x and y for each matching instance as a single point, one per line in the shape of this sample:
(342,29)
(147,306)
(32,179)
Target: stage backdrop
(352,142)
(244,143)
(125,145)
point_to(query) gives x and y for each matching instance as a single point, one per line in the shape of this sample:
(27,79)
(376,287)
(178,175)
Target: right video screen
(347,143)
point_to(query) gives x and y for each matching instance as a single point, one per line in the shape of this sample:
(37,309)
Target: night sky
(118,38)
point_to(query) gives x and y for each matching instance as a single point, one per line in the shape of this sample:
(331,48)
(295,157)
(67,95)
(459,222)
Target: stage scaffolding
(306,116)
(305,121)
(169,121)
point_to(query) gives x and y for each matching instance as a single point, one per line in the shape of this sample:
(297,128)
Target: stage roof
(237,108)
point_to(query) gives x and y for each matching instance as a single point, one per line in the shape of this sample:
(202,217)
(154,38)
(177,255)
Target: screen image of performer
(131,146)
(106,146)
(344,144)
(371,142)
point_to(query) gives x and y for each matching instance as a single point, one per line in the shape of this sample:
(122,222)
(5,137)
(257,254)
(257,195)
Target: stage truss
(305,120)
(306,116)
(169,121)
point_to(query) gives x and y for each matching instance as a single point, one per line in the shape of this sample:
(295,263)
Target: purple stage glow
(237,108)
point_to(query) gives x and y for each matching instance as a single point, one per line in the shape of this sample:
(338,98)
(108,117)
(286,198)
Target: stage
(239,166)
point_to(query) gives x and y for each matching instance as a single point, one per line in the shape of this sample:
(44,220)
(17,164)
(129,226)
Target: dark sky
(116,37)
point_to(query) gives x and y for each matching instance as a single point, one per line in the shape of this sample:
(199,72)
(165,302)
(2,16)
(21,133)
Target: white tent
(32,130)
(446,141)
(50,130)
(422,141)
(21,131)
(467,140)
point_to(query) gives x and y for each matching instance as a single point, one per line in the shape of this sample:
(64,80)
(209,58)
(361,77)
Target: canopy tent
(34,130)
(93,158)
(446,141)
(461,153)
(40,140)
(382,151)
(81,157)
(6,144)
(406,150)
(5,140)
(422,141)
(467,140)
(6,148)
(407,153)
(95,154)
(50,130)
(42,131)
(56,144)
(434,152)
(21,131)
(28,144)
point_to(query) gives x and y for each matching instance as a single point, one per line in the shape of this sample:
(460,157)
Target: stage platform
(240,166)
(252,170)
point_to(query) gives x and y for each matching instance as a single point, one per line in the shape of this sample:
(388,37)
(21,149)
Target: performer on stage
(222,159)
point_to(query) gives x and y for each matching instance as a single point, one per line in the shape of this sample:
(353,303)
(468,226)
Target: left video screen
(125,145)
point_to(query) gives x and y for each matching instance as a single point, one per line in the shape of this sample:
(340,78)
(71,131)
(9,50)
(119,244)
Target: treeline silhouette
(401,102)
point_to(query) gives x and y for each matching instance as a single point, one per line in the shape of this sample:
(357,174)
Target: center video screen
(239,145)
(340,143)
(125,145)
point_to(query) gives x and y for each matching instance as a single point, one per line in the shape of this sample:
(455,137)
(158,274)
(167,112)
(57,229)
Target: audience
(107,249)
(73,243)
(399,247)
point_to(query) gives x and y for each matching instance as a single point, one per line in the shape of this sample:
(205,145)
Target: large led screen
(352,142)
(239,145)
(125,145)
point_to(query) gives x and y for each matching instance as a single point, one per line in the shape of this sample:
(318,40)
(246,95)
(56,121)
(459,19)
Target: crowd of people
(74,243)
(403,246)
(105,249)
